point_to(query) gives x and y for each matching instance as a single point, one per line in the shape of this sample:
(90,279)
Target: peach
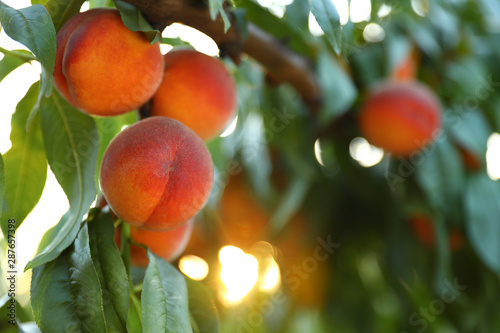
(102,67)
(196,90)
(424,231)
(168,245)
(400,117)
(156,174)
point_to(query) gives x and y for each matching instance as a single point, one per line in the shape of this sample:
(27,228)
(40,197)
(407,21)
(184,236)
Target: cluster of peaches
(157,174)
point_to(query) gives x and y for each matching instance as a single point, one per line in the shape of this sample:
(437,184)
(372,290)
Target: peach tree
(381,206)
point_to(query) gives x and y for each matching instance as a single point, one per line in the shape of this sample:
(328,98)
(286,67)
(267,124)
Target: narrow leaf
(84,285)
(62,10)
(25,162)
(202,307)
(71,144)
(33,27)
(135,21)
(108,127)
(329,20)
(12,60)
(482,213)
(134,322)
(439,172)
(164,298)
(216,8)
(110,270)
(338,89)
(51,297)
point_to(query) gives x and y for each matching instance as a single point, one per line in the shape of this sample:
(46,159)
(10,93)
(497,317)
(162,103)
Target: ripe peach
(168,245)
(400,117)
(156,174)
(102,67)
(196,90)
(424,231)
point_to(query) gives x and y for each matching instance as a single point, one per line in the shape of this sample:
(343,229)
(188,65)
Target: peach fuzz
(102,67)
(196,90)
(156,174)
(168,245)
(400,117)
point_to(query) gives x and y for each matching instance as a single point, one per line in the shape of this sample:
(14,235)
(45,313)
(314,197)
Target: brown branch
(281,62)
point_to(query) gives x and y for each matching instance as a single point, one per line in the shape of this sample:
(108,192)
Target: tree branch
(283,64)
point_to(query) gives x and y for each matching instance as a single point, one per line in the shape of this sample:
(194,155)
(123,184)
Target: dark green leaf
(110,270)
(25,162)
(439,173)
(71,144)
(12,60)
(482,213)
(216,8)
(164,298)
(472,131)
(202,307)
(33,27)
(328,19)
(84,285)
(338,89)
(51,298)
(62,10)
(135,21)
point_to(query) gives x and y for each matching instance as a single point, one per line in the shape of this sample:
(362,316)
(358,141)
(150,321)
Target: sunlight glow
(314,27)
(420,7)
(363,152)
(493,156)
(317,152)
(239,274)
(197,39)
(230,129)
(270,275)
(194,267)
(384,10)
(373,33)
(360,10)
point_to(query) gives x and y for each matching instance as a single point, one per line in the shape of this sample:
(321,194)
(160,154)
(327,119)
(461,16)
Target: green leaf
(71,144)
(12,60)
(25,162)
(51,299)
(328,19)
(65,293)
(135,21)
(84,285)
(202,307)
(338,89)
(472,131)
(134,322)
(108,127)
(164,298)
(33,27)
(439,172)
(482,213)
(216,8)
(110,271)
(62,10)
